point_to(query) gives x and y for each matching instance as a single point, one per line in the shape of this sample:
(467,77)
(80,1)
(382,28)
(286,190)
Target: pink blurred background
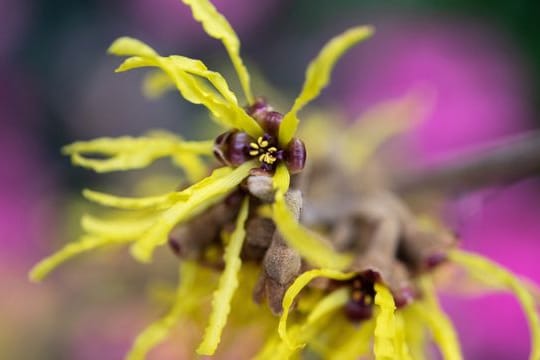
(57,86)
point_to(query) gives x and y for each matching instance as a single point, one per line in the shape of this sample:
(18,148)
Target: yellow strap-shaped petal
(126,153)
(202,195)
(186,74)
(482,267)
(217,26)
(130,203)
(438,323)
(194,168)
(414,333)
(117,229)
(379,125)
(228,282)
(318,76)
(310,245)
(86,243)
(156,83)
(384,345)
(282,178)
(159,330)
(295,289)
(275,348)
(127,46)
(402,346)
(300,334)
(356,345)
(328,304)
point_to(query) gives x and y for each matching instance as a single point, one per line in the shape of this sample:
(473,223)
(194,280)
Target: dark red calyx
(295,156)
(265,115)
(231,147)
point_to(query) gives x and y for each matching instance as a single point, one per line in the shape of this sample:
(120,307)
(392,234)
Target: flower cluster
(240,215)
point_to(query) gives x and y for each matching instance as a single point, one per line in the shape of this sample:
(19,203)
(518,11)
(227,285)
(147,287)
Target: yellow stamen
(262,143)
(367,300)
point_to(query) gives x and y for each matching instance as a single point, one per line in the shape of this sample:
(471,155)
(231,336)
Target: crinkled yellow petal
(129,203)
(203,194)
(217,26)
(228,282)
(328,304)
(379,125)
(127,46)
(310,245)
(282,178)
(86,243)
(118,229)
(384,345)
(318,76)
(483,268)
(159,330)
(414,333)
(125,153)
(300,334)
(274,348)
(295,288)
(357,344)
(438,323)
(402,346)
(194,168)
(156,83)
(186,74)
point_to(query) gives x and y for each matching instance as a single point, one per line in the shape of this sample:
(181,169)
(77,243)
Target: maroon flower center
(235,147)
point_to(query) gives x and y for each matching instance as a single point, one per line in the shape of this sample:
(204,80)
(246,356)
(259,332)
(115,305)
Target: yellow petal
(156,83)
(414,333)
(194,168)
(274,348)
(228,282)
(357,344)
(482,268)
(282,178)
(219,28)
(437,322)
(318,76)
(159,330)
(401,344)
(125,153)
(118,229)
(379,125)
(300,334)
(86,243)
(186,74)
(127,46)
(384,345)
(295,289)
(310,245)
(129,203)
(202,195)
(328,304)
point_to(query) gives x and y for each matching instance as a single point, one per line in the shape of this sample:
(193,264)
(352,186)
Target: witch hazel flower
(258,154)
(362,284)
(384,302)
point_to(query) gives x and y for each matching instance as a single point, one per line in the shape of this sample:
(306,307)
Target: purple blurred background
(57,85)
